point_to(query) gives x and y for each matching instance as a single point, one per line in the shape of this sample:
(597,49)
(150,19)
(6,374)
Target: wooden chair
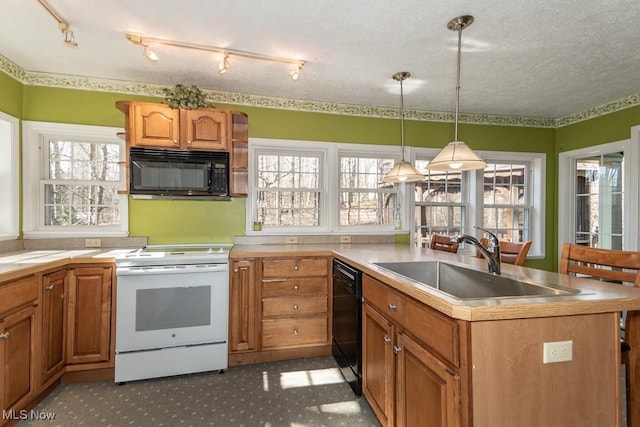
(443,243)
(614,266)
(510,252)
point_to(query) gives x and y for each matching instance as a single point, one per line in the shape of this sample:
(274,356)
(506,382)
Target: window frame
(475,187)
(35,164)
(10,162)
(329,210)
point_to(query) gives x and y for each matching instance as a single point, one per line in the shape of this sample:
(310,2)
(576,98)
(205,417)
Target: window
(507,197)
(322,187)
(288,191)
(10,173)
(440,206)
(72,180)
(597,201)
(363,201)
(505,207)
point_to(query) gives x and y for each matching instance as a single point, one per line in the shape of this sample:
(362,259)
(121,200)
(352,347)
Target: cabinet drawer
(294,332)
(431,327)
(295,267)
(18,293)
(296,306)
(290,287)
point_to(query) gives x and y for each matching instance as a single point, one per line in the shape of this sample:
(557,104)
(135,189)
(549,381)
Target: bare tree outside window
(81,185)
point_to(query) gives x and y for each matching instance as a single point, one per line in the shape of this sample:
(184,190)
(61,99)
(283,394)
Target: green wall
(185,221)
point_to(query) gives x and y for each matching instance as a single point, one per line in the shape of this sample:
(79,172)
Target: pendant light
(402,171)
(456,155)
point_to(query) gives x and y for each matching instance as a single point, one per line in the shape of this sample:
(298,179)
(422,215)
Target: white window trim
(329,216)
(10,199)
(566,189)
(33,164)
(474,192)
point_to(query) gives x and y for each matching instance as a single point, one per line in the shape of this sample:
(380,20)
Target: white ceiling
(543,58)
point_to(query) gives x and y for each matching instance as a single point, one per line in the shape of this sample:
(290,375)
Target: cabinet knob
(235,270)
(49,288)
(175,142)
(296,268)
(387,340)
(296,287)
(189,142)
(295,332)
(392,307)
(396,349)
(4,336)
(295,306)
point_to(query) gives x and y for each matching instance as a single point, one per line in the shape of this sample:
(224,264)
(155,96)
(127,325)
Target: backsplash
(72,243)
(313,239)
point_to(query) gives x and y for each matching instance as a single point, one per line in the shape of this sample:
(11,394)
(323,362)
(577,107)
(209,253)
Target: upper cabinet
(239,151)
(160,126)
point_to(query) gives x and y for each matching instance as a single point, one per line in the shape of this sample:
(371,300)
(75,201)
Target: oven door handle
(174,269)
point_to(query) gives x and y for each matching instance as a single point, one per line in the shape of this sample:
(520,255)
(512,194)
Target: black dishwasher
(347,322)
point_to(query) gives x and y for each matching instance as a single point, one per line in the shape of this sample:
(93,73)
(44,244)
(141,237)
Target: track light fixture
(67,34)
(223,66)
(141,40)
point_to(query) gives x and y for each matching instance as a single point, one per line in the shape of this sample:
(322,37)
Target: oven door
(160,307)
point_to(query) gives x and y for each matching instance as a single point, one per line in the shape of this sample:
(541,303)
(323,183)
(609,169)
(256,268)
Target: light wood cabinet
(53,333)
(160,126)
(410,360)
(239,153)
(294,308)
(18,319)
(89,314)
(242,307)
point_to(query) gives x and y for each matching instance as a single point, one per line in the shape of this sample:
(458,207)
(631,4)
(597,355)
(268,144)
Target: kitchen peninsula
(478,362)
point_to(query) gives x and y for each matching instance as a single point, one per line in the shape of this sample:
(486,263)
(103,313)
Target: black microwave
(178,173)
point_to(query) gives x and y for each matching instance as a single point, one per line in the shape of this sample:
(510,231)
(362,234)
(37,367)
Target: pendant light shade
(402,171)
(456,155)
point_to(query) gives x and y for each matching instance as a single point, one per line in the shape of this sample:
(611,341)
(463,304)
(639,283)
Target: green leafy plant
(188,97)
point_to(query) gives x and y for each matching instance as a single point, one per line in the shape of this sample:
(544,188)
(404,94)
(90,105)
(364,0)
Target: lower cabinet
(407,382)
(89,314)
(18,319)
(242,306)
(53,334)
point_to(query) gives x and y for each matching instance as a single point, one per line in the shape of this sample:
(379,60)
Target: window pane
(81,205)
(366,208)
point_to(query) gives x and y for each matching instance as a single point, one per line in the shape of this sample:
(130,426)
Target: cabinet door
(17,335)
(242,306)
(53,324)
(155,125)
(89,318)
(204,129)
(427,391)
(378,364)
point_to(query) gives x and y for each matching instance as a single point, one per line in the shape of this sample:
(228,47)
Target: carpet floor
(295,393)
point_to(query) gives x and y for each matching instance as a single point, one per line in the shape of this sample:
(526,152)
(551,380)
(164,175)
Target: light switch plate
(92,243)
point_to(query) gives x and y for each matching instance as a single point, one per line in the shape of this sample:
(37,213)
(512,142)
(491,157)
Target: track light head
(150,54)
(223,66)
(295,72)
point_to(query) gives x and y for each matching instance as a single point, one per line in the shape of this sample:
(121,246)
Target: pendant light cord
(402,120)
(458,83)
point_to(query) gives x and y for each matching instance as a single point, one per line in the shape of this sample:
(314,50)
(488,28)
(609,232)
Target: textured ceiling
(545,59)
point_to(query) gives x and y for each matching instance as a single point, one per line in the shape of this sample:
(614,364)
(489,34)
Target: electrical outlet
(345,239)
(92,243)
(557,351)
(291,240)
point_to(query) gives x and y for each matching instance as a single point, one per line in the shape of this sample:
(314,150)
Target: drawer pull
(4,336)
(392,307)
(296,287)
(396,349)
(296,268)
(387,340)
(295,306)
(49,288)
(295,332)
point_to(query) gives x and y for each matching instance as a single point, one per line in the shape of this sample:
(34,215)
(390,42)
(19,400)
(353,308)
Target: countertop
(22,263)
(595,296)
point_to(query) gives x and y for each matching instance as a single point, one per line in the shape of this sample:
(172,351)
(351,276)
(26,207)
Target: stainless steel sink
(466,283)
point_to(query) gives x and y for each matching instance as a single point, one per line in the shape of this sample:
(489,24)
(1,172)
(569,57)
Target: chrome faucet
(490,253)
